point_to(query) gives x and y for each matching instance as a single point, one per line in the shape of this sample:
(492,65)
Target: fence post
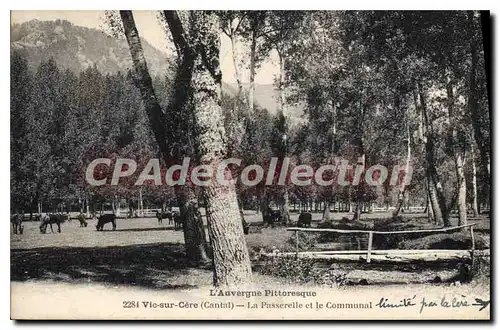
(296,244)
(369,254)
(473,244)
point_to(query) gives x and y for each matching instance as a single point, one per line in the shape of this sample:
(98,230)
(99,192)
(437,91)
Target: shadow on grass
(163,228)
(147,229)
(147,265)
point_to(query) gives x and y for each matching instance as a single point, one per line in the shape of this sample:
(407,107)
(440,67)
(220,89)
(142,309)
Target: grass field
(137,231)
(140,252)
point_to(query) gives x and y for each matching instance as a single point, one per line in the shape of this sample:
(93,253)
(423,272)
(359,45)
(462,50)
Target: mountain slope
(76,47)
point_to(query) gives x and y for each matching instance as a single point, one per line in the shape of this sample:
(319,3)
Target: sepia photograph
(250,165)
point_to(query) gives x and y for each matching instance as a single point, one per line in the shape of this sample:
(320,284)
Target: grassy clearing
(145,254)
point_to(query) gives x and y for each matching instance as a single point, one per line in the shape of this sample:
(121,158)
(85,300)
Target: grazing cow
(104,219)
(63,216)
(50,219)
(272,217)
(81,218)
(305,219)
(17,223)
(275,215)
(170,216)
(165,215)
(177,220)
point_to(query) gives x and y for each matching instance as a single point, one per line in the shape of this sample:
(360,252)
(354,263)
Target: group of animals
(17,223)
(275,216)
(46,220)
(171,216)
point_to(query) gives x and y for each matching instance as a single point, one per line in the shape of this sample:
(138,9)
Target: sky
(149,29)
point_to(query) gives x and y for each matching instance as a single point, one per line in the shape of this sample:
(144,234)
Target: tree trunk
(285,207)
(399,206)
(475,208)
(281,84)
(143,81)
(357,210)
(462,191)
(242,214)
(349,201)
(435,208)
(199,74)
(253,55)
(141,204)
(232,37)
(230,253)
(473,102)
(428,205)
(441,214)
(459,160)
(281,107)
(194,231)
(130,208)
(264,205)
(326,212)
(92,206)
(475,116)
(435,188)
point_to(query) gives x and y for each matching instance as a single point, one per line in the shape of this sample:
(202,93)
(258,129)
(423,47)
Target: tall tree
(280,33)
(199,71)
(231,24)
(253,30)
(194,233)
(20,99)
(230,254)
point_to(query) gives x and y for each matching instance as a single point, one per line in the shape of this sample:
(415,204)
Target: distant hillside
(76,47)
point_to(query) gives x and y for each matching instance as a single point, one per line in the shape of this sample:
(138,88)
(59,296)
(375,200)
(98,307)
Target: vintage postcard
(251,165)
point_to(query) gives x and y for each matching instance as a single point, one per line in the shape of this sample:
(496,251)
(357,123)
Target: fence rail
(376,232)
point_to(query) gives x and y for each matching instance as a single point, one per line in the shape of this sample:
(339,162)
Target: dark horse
(17,223)
(165,215)
(50,219)
(272,217)
(305,219)
(104,219)
(177,220)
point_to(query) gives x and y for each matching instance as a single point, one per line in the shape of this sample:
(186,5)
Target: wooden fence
(370,234)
